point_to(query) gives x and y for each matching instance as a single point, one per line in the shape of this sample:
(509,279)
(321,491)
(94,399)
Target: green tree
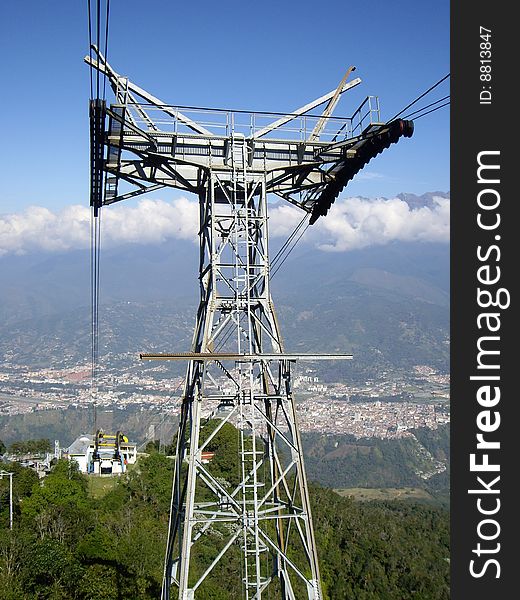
(38,447)
(60,507)
(68,546)
(151,482)
(152,446)
(99,582)
(24,480)
(50,570)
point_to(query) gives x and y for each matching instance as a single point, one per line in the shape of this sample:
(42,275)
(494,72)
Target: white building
(101,459)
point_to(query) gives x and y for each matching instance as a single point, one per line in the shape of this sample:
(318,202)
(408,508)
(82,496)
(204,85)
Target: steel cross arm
(103,67)
(286,188)
(292,172)
(134,171)
(375,129)
(213,356)
(167,167)
(133,193)
(305,109)
(123,121)
(330,107)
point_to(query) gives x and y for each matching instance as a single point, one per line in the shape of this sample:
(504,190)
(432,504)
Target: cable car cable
(280,252)
(425,107)
(290,250)
(431,111)
(418,98)
(107,19)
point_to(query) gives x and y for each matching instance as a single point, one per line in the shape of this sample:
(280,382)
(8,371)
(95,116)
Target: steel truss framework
(237,364)
(269,505)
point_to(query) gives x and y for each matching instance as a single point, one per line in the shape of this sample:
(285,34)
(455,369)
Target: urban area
(386,408)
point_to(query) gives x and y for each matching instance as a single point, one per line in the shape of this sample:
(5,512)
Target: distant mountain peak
(425,200)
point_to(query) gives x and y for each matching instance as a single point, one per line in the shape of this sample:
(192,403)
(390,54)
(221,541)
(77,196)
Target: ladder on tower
(255,551)
(238,152)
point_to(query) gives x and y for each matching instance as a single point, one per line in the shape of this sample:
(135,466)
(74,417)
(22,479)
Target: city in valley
(386,407)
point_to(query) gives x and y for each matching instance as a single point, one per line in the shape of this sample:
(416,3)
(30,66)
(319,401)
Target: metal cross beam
(213,356)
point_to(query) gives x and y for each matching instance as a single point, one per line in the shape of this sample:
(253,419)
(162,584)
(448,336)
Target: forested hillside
(419,460)
(73,541)
(337,461)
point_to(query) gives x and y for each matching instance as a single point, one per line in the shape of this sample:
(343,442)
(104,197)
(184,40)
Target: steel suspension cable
(166,415)
(97,93)
(226,334)
(91,69)
(280,264)
(95,23)
(95,254)
(430,89)
(107,19)
(93,325)
(287,248)
(431,111)
(92,308)
(98,35)
(97,288)
(409,115)
(282,250)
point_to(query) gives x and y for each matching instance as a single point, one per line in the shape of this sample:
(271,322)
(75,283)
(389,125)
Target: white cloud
(151,221)
(283,219)
(369,175)
(351,223)
(357,223)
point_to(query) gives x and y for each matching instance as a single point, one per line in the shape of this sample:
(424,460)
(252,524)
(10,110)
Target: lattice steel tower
(237,369)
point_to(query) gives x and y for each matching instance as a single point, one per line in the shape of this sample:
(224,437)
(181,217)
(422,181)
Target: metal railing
(226,123)
(367,113)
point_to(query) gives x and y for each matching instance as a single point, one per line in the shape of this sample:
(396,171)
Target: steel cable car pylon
(237,368)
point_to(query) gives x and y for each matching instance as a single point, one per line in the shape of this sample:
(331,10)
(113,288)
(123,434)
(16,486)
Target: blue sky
(272,56)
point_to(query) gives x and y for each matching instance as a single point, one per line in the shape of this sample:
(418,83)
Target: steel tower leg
(262,512)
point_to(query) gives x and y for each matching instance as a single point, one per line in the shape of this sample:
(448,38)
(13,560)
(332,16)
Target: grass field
(99,486)
(406,493)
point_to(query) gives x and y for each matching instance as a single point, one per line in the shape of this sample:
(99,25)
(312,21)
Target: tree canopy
(68,544)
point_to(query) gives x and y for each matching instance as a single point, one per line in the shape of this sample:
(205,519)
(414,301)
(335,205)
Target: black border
(477,127)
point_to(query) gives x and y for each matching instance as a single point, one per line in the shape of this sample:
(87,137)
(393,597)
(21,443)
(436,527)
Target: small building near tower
(102,453)
(207,457)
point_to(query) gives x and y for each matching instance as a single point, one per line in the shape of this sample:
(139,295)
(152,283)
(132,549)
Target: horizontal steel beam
(210,356)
